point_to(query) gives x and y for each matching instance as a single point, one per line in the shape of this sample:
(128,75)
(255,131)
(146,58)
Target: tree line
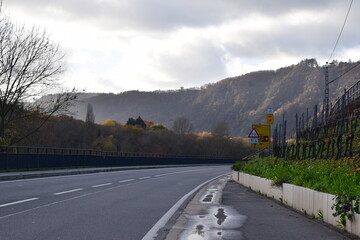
(137,135)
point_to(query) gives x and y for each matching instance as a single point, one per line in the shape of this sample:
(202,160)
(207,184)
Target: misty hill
(238,101)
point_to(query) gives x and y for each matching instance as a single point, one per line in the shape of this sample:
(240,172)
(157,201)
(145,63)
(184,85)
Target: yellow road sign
(264,136)
(269,118)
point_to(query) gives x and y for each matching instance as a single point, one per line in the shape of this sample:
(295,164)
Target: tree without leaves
(182,125)
(90,127)
(90,117)
(29,68)
(221,129)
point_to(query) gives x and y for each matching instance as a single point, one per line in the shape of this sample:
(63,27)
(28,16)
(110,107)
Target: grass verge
(339,177)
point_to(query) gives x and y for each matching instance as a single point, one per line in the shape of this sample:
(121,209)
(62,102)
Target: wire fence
(332,135)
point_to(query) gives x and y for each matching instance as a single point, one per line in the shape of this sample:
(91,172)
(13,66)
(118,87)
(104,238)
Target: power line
(350,69)
(342,28)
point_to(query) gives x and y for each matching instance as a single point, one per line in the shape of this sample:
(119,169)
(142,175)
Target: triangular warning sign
(253,134)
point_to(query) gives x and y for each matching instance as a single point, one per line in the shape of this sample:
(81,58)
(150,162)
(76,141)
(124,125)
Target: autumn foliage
(67,132)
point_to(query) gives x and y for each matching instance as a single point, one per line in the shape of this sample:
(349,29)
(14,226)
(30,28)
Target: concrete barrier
(303,199)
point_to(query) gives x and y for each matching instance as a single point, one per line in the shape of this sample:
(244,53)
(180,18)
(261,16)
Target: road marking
(70,191)
(17,202)
(79,175)
(144,178)
(165,174)
(153,232)
(101,185)
(127,180)
(172,173)
(65,200)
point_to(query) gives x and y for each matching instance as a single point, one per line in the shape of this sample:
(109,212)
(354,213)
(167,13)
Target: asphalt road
(266,219)
(113,205)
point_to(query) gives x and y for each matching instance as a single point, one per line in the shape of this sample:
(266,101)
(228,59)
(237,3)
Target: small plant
(320,215)
(344,208)
(238,166)
(305,212)
(340,225)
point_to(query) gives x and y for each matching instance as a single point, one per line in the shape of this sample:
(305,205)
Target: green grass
(337,177)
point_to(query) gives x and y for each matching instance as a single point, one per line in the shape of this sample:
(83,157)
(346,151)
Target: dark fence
(322,135)
(349,101)
(28,158)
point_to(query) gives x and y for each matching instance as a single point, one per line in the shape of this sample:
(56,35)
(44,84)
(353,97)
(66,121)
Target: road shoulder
(223,209)
(268,219)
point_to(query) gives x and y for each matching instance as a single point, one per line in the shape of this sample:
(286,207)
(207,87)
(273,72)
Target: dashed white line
(171,173)
(17,202)
(70,191)
(144,178)
(165,174)
(127,180)
(101,185)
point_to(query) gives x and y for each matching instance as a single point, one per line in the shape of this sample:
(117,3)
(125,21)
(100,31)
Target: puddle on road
(220,223)
(220,216)
(210,194)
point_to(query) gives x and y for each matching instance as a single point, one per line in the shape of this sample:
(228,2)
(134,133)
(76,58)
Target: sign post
(253,136)
(269,116)
(264,135)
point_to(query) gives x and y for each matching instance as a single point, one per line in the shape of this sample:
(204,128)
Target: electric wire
(342,28)
(350,69)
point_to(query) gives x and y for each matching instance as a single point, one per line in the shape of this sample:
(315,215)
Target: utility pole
(327,97)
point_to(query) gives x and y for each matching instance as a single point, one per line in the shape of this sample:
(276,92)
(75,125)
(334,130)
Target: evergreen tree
(131,122)
(139,122)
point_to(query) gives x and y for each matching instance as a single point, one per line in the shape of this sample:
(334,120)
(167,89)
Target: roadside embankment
(313,203)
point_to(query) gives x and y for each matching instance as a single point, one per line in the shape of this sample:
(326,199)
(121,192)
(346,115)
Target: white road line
(144,178)
(101,185)
(70,191)
(76,175)
(65,200)
(17,202)
(127,180)
(165,174)
(152,233)
(171,173)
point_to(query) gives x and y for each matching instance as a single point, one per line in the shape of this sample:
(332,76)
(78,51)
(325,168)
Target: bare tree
(30,66)
(221,129)
(182,125)
(90,117)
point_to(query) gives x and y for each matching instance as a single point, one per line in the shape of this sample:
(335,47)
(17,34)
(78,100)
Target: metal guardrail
(91,152)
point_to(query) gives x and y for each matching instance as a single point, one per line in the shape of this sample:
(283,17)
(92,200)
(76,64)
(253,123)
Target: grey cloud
(164,15)
(310,40)
(198,64)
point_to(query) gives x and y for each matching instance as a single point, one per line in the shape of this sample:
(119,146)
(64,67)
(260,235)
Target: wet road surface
(114,205)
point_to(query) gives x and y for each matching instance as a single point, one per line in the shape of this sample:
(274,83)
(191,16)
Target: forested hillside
(238,101)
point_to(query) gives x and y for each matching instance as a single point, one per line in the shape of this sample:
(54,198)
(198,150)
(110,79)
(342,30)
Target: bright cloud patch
(113,46)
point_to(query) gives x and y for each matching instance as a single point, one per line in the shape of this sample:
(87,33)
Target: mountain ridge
(239,101)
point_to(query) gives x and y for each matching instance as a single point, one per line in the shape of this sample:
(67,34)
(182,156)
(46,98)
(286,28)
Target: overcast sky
(119,45)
